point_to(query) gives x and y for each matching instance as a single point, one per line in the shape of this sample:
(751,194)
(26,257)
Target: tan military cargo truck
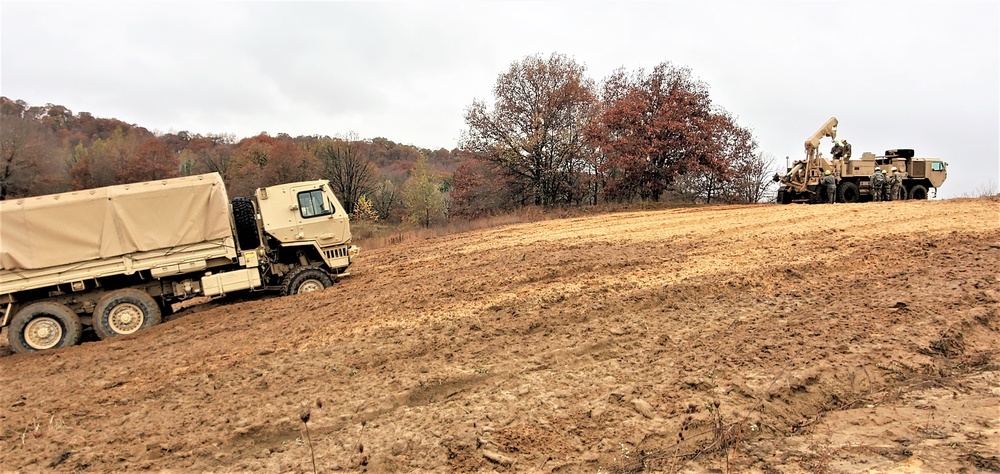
(801,182)
(116,258)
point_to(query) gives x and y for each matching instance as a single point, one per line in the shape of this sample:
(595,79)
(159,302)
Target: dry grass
(987,189)
(368,235)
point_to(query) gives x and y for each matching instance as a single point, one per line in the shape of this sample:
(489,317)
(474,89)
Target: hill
(769,339)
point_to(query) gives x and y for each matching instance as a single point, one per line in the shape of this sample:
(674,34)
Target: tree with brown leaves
(654,127)
(534,132)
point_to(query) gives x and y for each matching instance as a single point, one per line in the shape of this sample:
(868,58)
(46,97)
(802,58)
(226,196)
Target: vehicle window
(312,204)
(937,166)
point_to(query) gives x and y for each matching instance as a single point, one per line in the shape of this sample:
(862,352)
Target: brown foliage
(478,189)
(654,127)
(124,157)
(534,133)
(29,161)
(265,161)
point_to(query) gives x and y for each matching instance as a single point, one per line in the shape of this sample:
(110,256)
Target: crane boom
(829,129)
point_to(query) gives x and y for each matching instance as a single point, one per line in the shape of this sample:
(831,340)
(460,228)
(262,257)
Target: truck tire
(918,192)
(305,280)
(900,194)
(784,197)
(44,325)
(848,192)
(125,311)
(245,218)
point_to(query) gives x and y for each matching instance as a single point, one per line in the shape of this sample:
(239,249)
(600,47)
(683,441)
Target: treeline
(49,149)
(552,137)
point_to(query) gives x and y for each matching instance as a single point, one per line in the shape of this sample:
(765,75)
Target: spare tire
(245,218)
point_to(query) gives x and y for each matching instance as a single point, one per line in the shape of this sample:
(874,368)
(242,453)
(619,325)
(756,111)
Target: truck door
(320,216)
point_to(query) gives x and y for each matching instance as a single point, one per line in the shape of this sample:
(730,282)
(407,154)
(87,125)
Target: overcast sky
(922,75)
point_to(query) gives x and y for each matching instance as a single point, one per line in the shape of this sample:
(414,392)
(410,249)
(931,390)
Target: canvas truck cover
(91,224)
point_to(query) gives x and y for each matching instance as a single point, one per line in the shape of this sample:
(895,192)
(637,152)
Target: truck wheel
(125,311)
(784,197)
(848,192)
(44,325)
(306,280)
(918,192)
(245,219)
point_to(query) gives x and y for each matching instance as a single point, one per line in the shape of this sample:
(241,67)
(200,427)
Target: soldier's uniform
(878,184)
(831,187)
(847,150)
(837,151)
(885,187)
(895,184)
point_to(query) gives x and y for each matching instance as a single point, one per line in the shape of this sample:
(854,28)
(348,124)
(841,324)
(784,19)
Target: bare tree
(349,169)
(385,198)
(752,177)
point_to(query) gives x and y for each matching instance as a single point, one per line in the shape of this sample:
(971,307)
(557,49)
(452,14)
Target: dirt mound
(771,339)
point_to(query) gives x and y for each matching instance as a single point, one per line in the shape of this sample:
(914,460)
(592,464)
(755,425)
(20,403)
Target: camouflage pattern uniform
(837,151)
(885,187)
(895,185)
(878,185)
(847,150)
(831,187)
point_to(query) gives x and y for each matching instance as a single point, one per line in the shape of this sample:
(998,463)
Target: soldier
(831,186)
(847,150)
(838,150)
(895,184)
(878,184)
(885,187)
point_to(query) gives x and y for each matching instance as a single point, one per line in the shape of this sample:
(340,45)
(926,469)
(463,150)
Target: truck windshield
(312,204)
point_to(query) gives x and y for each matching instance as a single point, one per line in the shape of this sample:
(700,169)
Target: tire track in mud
(575,344)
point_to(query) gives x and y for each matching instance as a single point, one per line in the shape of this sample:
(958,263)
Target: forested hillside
(49,148)
(551,136)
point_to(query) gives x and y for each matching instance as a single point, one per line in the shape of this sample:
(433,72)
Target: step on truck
(116,258)
(801,181)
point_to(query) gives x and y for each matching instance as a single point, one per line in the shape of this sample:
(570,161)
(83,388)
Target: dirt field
(760,339)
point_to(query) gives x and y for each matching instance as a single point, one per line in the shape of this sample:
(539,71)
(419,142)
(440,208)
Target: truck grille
(340,252)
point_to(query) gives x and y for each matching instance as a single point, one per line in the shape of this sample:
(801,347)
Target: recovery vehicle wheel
(784,197)
(125,311)
(306,280)
(44,325)
(899,195)
(918,192)
(848,192)
(245,219)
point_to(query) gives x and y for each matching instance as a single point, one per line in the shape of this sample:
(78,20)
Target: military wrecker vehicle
(115,258)
(801,182)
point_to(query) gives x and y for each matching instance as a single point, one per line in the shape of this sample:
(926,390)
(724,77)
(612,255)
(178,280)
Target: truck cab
(921,174)
(303,212)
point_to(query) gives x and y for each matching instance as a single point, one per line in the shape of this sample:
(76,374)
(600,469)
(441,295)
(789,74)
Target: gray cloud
(922,75)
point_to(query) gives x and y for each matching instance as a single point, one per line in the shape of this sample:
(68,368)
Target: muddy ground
(760,339)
